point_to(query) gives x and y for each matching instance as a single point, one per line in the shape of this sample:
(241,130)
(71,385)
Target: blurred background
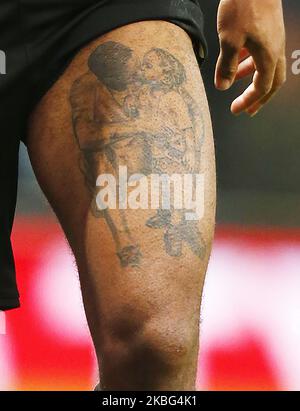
(250,335)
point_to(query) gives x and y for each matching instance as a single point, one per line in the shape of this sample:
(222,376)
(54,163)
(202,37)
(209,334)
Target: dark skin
(141,274)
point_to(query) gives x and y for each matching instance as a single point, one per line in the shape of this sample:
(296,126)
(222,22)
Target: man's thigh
(131,102)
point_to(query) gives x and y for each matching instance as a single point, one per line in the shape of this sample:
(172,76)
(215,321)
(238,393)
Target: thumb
(227,64)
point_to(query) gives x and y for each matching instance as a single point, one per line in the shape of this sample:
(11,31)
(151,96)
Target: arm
(252,42)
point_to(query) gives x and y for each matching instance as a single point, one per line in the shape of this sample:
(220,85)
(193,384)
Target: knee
(146,349)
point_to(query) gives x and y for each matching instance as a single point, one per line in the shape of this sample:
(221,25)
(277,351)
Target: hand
(252,42)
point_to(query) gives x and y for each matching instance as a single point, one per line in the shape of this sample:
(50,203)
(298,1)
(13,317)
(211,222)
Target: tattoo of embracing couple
(137,113)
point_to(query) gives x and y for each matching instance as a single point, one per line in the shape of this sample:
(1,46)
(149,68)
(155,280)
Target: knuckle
(228,44)
(264,88)
(228,72)
(271,56)
(266,50)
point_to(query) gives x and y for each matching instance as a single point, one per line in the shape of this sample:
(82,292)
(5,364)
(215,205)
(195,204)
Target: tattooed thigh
(141,131)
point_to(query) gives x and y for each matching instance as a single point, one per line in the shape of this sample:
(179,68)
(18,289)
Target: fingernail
(235,112)
(224,84)
(254,113)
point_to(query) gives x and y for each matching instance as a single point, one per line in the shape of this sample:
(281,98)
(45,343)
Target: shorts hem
(93,24)
(9,303)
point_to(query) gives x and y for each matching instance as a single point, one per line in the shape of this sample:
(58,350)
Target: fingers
(263,80)
(236,62)
(279,80)
(227,64)
(245,69)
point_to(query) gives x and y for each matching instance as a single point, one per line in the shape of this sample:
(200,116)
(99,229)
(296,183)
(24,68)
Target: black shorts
(38,38)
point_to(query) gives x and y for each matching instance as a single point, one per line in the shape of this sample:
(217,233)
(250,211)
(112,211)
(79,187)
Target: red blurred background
(250,317)
(250,320)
